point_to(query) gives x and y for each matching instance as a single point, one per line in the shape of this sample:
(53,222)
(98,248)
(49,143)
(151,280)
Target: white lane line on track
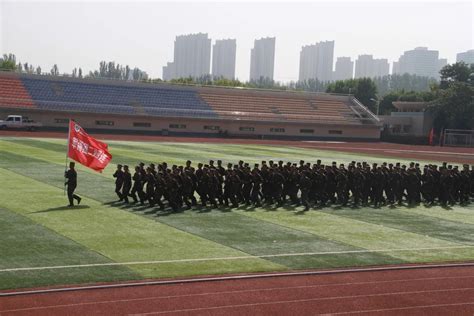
(298,301)
(233,258)
(398,308)
(232,292)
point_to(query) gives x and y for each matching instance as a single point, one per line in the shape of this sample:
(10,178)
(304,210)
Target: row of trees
(108,70)
(111,70)
(384,85)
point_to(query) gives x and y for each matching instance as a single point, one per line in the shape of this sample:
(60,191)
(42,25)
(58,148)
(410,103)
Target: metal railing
(365,110)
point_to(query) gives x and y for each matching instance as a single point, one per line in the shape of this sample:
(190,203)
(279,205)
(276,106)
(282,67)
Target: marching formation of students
(310,185)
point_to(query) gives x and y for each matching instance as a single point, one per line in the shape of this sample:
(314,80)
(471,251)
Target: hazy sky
(142,33)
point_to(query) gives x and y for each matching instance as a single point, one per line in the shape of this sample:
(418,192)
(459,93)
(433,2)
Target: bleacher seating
(279,108)
(14,94)
(94,96)
(108,98)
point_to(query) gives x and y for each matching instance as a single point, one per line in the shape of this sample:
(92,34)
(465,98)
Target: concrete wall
(419,123)
(180,126)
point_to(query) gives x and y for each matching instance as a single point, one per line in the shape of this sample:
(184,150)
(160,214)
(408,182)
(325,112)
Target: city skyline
(316,61)
(128,34)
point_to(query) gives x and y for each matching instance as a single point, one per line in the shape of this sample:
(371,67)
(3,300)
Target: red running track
(427,291)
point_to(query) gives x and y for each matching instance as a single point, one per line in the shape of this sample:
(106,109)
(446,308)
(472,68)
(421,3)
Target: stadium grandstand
(167,109)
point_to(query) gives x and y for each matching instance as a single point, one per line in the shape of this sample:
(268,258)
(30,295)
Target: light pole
(377,104)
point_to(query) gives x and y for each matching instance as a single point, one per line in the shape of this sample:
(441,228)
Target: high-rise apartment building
(344,69)
(381,67)
(467,57)
(316,61)
(223,59)
(364,66)
(262,59)
(192,57)
(368,67)
(420,61)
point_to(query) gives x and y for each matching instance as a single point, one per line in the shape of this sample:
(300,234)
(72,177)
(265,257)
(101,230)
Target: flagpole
(67,149)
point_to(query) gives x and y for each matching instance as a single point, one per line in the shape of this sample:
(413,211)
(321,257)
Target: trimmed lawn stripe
(462,214)
(25,243)
(121,236)
(90,184)
(366,235)
(263,238)
(400,219)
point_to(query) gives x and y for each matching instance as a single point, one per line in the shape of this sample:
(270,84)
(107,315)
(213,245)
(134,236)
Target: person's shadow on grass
(62,208)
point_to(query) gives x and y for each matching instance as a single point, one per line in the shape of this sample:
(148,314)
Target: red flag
(87,150)
(431,137)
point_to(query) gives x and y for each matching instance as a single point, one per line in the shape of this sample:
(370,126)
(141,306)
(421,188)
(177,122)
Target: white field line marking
(398,308)
(231,258)
(301,301)
(234,292)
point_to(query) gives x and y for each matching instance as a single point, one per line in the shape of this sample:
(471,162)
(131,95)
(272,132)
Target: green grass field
(37,230)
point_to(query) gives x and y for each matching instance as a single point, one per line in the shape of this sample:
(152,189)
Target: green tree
(8,62)
(454,105)
(458,72)
(386,106)
(363,89)
(55,70)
